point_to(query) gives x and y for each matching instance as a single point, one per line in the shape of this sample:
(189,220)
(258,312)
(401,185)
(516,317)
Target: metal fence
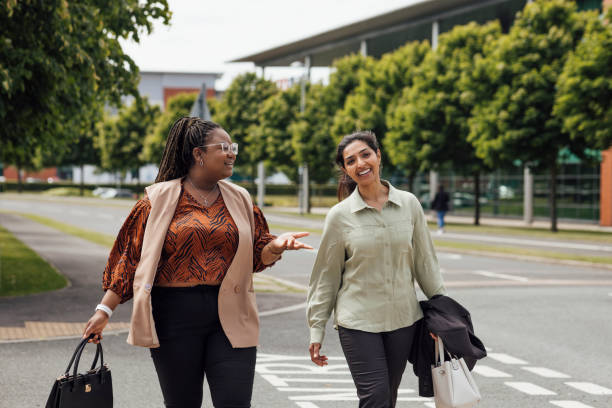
(501,193)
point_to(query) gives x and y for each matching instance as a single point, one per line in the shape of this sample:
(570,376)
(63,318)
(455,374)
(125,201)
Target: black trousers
(377,362)
(192,345)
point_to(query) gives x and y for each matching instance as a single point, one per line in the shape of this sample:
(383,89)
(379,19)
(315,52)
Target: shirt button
(237,289)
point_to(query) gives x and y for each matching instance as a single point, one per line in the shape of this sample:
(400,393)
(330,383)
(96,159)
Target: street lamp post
(303,192)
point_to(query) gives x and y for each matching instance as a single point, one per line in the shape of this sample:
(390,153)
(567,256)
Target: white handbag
(453,384)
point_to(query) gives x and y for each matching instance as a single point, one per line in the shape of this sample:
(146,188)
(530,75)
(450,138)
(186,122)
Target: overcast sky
(205,34)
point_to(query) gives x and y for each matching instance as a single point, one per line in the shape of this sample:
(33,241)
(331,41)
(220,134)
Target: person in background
(375,245)
(440,206)
(186,254)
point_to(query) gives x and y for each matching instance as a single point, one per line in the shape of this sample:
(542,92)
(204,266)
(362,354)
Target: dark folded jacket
(449,320)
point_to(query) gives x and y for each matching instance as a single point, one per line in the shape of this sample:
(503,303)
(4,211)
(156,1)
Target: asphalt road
(107,216)
(547,327)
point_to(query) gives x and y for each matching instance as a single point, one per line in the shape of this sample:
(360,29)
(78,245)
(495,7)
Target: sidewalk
(64,312)
(465,219)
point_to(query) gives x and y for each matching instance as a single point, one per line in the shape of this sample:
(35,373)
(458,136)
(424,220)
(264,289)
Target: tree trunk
(553,197)
(477,198)
(82,186)
(309,201)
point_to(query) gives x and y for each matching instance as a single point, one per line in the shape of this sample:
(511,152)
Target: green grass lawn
(22,271)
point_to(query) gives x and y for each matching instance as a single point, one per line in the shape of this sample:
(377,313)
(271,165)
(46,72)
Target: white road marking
(570,404)
(506,359)
(283,310)
(306,405)
(529,388)
(590,388)
(545,372)
(284,381)
(271,366)
(489,372)
(346,396)
(320,389)
(446,255)
(531,242)
(610,294)
(501,276)
(295,368)
(430,404)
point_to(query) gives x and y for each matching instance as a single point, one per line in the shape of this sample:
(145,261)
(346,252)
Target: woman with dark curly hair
(186,254)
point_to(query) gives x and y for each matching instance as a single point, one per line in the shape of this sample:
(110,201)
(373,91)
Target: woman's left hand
(288,241)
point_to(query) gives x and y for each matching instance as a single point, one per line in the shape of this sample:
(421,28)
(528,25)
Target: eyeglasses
(225,147)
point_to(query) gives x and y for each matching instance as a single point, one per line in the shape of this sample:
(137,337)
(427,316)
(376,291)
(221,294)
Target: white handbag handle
(439,347)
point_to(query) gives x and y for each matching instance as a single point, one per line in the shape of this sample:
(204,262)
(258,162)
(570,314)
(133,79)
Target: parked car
(109,192)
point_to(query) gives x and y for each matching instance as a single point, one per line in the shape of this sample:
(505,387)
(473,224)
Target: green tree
(277,114)
(518,124)
(381,83)
(121,137)
(238,112)
(312,137)
(434,112)
(584,92)
(59,60)
(155,141)
(81,151)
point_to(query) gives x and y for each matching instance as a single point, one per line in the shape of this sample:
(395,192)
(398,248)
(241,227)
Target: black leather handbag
(94,389)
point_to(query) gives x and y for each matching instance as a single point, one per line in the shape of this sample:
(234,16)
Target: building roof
(215,74)
(384,32)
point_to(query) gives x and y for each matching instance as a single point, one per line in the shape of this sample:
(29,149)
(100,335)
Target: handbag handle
(439,350)
(77,356)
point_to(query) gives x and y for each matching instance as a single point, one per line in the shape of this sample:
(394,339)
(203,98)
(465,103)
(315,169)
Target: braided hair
(346,185)
(186,134)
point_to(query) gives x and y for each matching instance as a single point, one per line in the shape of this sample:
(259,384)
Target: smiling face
(361,163)
(217,165)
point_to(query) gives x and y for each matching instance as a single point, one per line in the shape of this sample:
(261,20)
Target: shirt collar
(358,204)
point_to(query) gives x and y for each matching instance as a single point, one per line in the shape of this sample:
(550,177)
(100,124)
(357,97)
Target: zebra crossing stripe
(489,372)
(545,372)
(529,388)
(568,404)
(590,388)
(306,405)
(506,359)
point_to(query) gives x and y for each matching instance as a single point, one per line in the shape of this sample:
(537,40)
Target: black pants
(377,362)
(192,345)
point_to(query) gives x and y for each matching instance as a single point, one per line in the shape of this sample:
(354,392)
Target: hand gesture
(288,241)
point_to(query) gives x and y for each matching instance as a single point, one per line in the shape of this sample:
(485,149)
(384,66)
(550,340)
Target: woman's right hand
(95,325)
(317,358)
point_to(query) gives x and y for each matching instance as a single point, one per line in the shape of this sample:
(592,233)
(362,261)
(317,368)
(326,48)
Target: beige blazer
(237,307)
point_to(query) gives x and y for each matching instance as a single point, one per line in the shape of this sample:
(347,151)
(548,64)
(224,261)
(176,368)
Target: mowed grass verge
(22,271)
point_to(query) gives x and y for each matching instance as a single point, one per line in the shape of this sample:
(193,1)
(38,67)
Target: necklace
(205,198)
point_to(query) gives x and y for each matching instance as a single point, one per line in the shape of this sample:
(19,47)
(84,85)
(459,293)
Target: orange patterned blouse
(200,245)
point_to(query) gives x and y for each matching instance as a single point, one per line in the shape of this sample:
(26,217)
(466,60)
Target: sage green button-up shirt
(367,263)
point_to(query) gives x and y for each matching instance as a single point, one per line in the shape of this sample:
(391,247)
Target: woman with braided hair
(186,255)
